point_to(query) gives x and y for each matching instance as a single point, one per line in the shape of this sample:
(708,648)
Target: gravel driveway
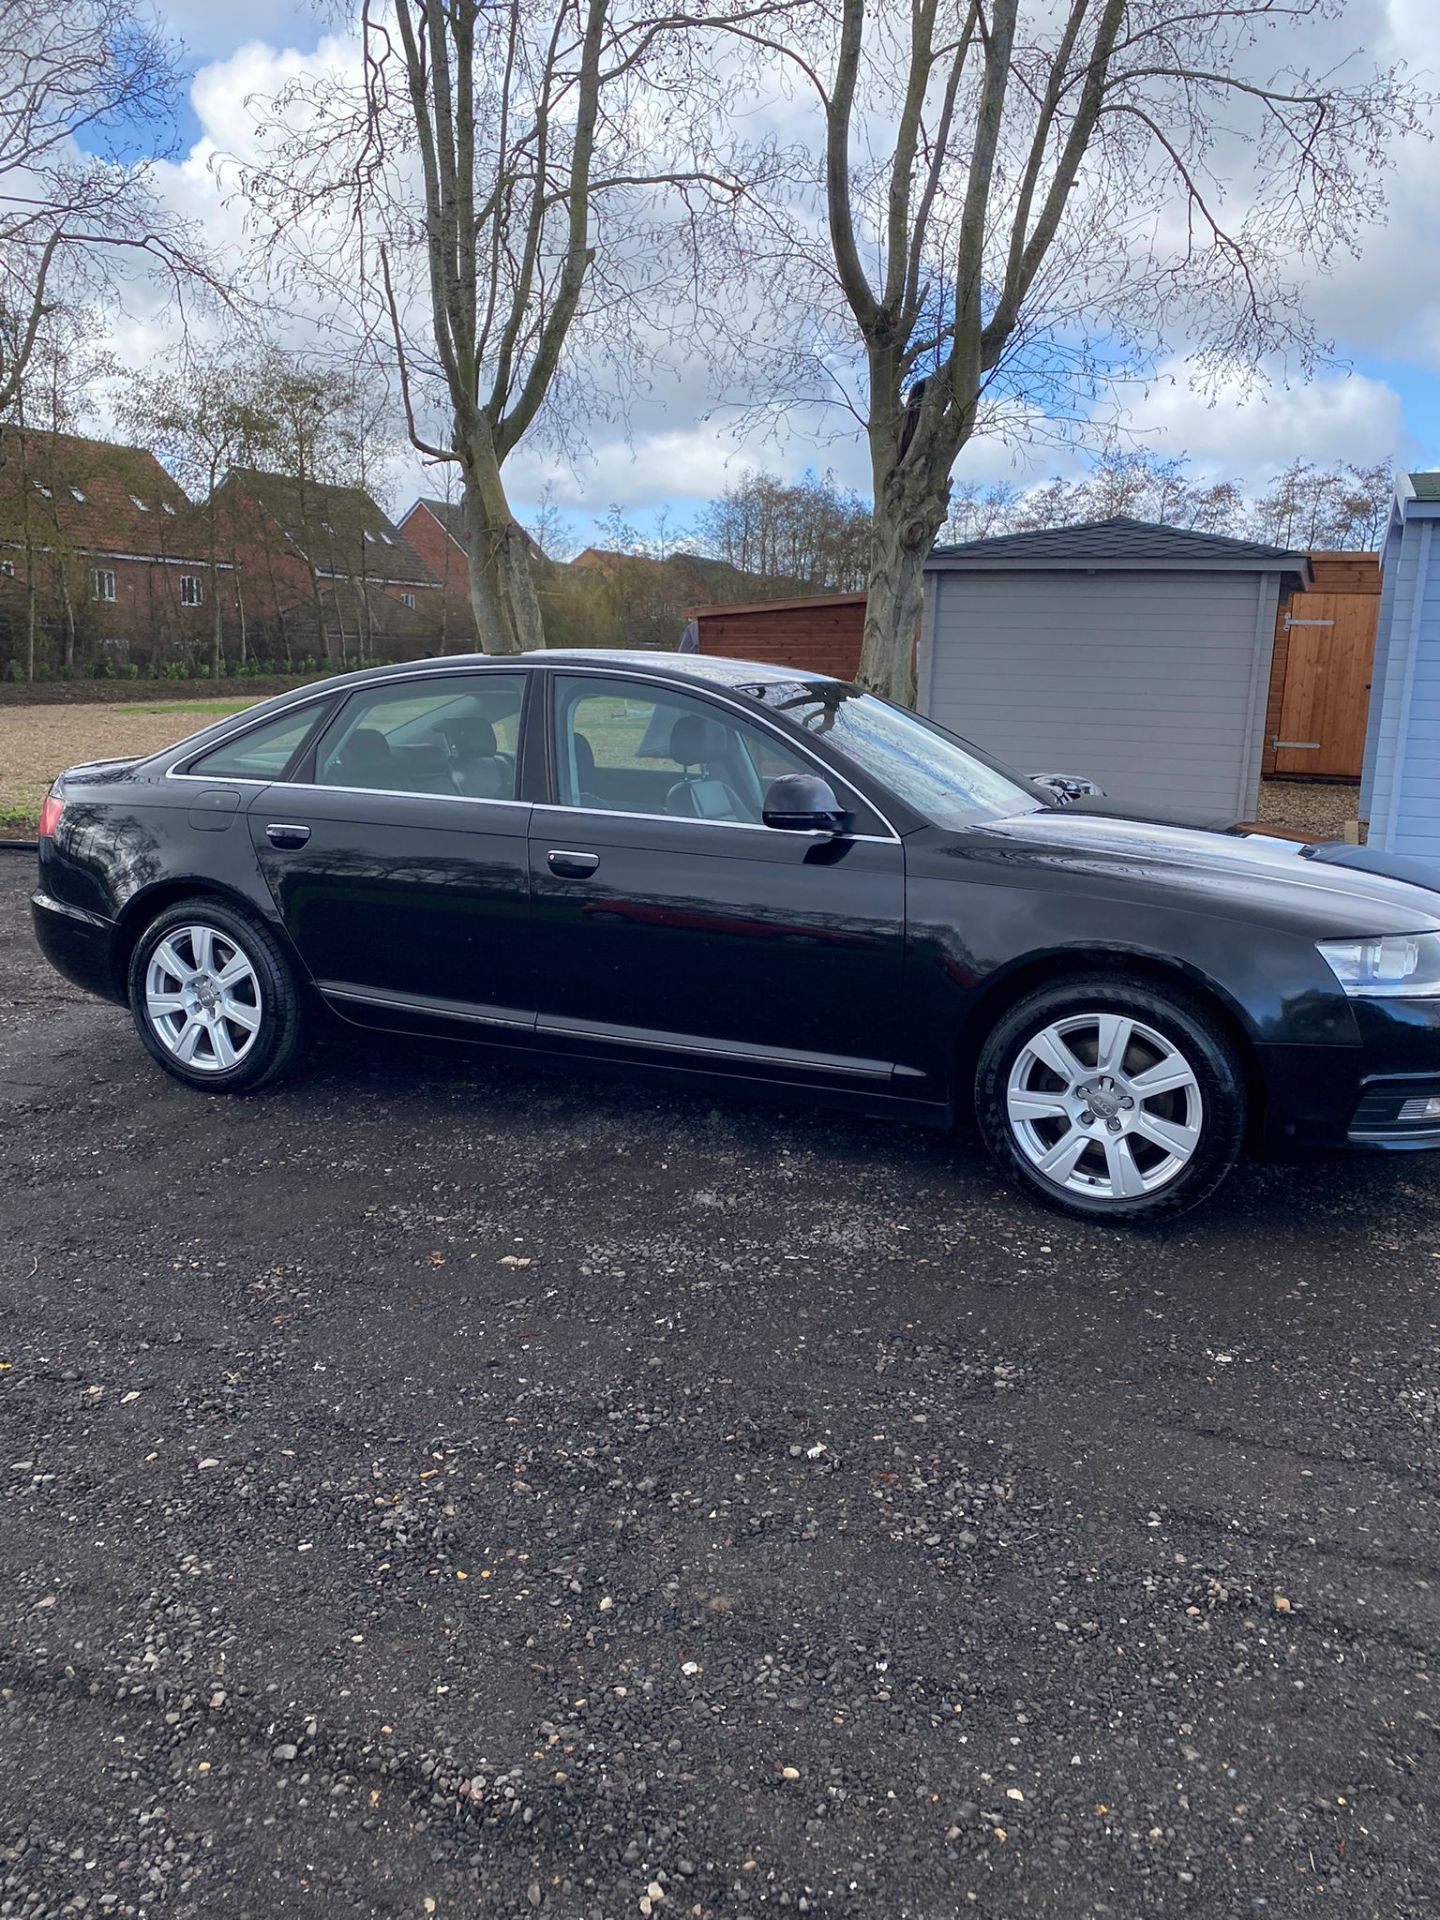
(448,1486)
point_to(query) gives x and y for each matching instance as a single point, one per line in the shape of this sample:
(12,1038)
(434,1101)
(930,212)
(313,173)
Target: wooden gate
(1320,676)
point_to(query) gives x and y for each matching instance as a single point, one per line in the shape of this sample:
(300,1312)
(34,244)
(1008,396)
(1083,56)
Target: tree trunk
(502,590)
(30,625)
(908,516)
(69,604)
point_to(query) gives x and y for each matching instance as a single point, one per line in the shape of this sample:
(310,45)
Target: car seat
(697,744)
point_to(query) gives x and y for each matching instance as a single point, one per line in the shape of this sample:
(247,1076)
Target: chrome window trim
(678,682)
(738,826)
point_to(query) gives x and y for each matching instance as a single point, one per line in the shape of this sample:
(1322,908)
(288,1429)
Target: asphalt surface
(446,1485)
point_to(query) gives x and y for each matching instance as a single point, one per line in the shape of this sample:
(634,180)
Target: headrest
(366,751)
(693,739)
(584,756)
(475,738)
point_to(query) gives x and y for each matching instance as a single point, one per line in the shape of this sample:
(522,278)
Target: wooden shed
(1138,655)
(1400,792)
(821,633)
(1320,677)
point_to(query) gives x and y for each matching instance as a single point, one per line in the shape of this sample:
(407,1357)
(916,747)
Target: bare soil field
(38,742)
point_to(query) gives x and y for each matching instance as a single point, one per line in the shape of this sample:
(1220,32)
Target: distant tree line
(1315,508)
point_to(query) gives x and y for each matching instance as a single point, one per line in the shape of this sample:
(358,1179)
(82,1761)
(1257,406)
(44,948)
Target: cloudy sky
(1381,400)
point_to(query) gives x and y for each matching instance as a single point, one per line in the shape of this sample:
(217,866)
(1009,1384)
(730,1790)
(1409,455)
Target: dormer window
(76,494)
(137,501)
(168,508)
(369,538)
(386,538)
(45,491)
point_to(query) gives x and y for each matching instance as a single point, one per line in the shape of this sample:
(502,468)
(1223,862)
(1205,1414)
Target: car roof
(706,669)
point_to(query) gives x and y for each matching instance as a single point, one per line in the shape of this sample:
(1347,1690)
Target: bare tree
(201,419)
(506,183)
(1024,200)
(80,82)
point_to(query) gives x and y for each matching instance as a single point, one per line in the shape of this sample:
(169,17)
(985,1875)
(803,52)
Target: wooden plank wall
(1320,675)
(822,638)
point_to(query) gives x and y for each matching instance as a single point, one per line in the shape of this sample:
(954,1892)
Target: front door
(668,918)
(398,859)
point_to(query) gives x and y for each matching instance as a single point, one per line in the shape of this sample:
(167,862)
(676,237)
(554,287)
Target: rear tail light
(50,815)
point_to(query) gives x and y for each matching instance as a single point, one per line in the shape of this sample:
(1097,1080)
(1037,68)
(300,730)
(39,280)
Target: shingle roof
(94,497)
(342,530)
(1120,542)
(1427,486)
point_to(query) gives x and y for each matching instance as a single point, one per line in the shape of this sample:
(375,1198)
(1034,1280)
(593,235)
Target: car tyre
(1112,1099)
(214,998)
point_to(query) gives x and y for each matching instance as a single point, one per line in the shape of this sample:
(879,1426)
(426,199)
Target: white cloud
(1341,416)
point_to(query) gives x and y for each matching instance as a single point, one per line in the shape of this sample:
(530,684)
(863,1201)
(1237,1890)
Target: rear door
(398,857)
(667,917)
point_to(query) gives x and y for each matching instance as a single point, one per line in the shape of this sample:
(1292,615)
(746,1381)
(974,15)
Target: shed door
(1327,684)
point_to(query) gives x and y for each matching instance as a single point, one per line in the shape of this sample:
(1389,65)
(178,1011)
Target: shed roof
(1120,543)
(726,610)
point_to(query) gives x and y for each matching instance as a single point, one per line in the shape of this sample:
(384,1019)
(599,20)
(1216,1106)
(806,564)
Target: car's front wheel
(214,999)
(1112,1098)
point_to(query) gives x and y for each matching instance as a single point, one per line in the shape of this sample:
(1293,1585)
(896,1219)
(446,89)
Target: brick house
(324,572)
(102,552)
(435,530)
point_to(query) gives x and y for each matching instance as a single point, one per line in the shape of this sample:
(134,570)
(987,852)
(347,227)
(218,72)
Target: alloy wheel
(1104,1106)
(202,998)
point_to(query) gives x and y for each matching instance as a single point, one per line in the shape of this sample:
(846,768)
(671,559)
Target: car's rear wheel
(214,999)
(1112,1098)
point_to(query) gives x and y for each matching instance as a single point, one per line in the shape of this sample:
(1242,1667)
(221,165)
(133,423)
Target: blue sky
(1380,400)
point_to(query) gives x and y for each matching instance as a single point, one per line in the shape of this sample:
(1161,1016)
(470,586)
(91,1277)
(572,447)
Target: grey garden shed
(1138,655)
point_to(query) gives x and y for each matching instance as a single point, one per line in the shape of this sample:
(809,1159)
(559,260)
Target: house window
(139,503)
(168,508)
(44,490)
(369,538)
(190,595)
(7,567)
(407,599)
(76,494)
(386,538)
(104,579)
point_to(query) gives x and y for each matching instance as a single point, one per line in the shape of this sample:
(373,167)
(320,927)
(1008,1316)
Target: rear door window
(456,735)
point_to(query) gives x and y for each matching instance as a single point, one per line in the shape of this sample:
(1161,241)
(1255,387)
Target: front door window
(627,747)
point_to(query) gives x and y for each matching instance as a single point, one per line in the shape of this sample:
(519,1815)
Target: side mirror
(1065,787)
(796,803)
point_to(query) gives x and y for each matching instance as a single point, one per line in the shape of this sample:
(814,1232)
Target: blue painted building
(1400,789)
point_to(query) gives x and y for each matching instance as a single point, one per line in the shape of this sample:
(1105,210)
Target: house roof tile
(95,498)
(343,532)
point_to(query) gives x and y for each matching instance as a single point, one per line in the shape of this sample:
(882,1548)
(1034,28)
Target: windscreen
(945,779)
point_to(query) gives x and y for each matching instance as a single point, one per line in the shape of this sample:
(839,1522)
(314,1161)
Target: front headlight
(1394,965)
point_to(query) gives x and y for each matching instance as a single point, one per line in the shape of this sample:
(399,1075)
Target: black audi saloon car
(756,873)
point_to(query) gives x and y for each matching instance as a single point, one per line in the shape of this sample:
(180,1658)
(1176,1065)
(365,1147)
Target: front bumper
(78,944)
(1324,1097)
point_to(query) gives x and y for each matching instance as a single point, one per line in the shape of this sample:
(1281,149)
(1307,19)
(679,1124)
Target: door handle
(281,833)
(572,866)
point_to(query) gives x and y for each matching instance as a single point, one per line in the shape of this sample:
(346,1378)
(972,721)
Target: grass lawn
(37,742)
